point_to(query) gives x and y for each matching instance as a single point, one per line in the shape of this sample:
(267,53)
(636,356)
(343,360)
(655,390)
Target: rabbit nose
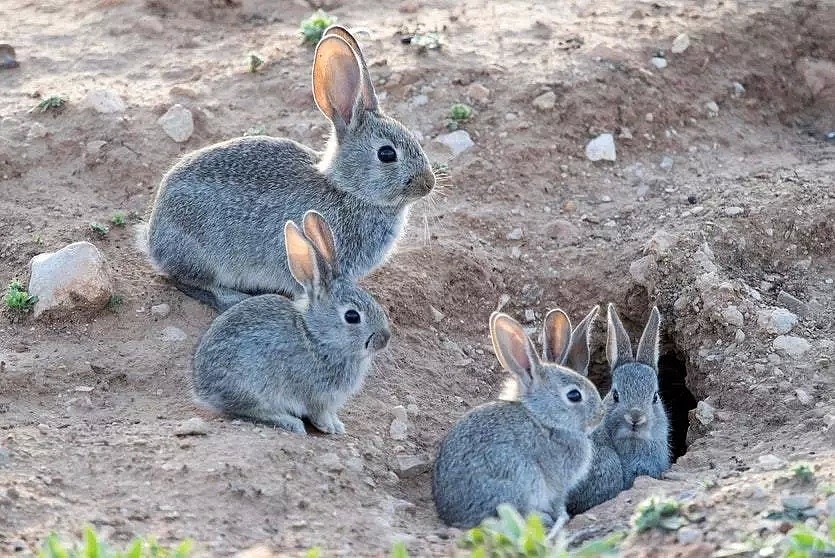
(378,340)
(424,181)
(635,418)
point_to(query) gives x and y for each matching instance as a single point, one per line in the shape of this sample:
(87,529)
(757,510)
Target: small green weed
(399,550)
(114,302)
(257,130)
(99,229)
(803,542)
(93,547)
(461,112)
(18,299)
(657,513)
(313,27)
(37,239)
(53,103)
(426,41)
(255,62)
(803,473)
(118,219)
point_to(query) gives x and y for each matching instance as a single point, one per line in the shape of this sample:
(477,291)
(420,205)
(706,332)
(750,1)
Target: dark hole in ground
(678,400)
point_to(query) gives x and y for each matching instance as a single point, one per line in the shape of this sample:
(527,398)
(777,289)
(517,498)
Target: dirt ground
(108,456)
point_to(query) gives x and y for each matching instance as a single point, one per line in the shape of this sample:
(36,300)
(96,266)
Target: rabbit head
(369,154)
(340,317)
(554,395)
(634,410)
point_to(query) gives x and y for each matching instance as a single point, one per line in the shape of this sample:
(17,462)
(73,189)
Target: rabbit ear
(648,346)
(369,96)
(513,348)
(579,352)
(557,336)
(302,258)
(618,345)
(318,232)
(337,80)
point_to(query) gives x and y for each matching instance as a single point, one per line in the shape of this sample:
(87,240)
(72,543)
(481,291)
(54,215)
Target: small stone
(680,44)
(778,320)
(802,396)
(739,336)
(733,211)
(515,234)
(606,199)
(37,131)
(692,199)
(732,316)
(75,278)
(477,92)
(546,101)
(104,101)
(458,141)
(830,506)
(688,535)
(666,163)
(399,413)
(565,232)
(8,59)
(649,117)
(420,100)
(437,315)
(530,315)
(601,148)
(705,413)
(398,430)
(791,345)
(660,243)
(194,426)
(771,462)
(5,457)
(178,123)
(160,310)
(330,462)
(643,270)
(410,466)
(171,334)
(797,502)
(625,133)
(712,109)
(793,303)
(659,62)
(738,89)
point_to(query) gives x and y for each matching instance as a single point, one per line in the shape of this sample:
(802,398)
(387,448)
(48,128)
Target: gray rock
(738,89)
(398,430)
(177,123)
(37,131)
(601,148)
(680,43)
(420,100)
(330,462)
(75,278)
(688,535)
(643,271)
(171,334)
(733,211)
(777,320)
(770,462)
(437,315)
(797,502)
(477,92)
(791,345)
(95,146)
(410,466)
(660,243)
(515,234)
(666,163)
(458,141)
(712,109)
(546,101)
(732,316)
(705,413)
(659,62)
(739,336)
(830,506)
(194,426)
(399,413)
(8,59)
(160,310)
(5,457)
(104,101)
(564,231)
(793,303)
(803,396)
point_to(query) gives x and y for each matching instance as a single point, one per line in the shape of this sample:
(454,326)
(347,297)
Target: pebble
(5,457)
(680,43)
(171,334)
(74,278)
(601,148)
(8,58)
(160,310)
(688,535)
(625,133)
(546,101)
(420,100)
(178,123)
(399,413)
(515,234)
(705,413)
(778,320)
(712,109)
(739,337)
(732,316)
(103,101)
(458,141)
(733,211)
(477,92)
(659,62)
(409,466)
(666,163)
(803,396)
(791,345)
(660,243)
(437,315)
(738,89)
(398,430)
(37,131)
(797,502)
(830,506)
(530,315)
(194,426)
(793,303)
(330,462)
(770,462)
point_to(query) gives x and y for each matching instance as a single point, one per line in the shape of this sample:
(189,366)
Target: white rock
(732,316)
(778,320)
(733,211)
(75,278)
(666,163)
(515,234)
(660,243)
(680,43)
(171,334)
(37,131)
(104,101)
(546,101)
(739,89)
(160,310)
(437,315)
(601,148)
(803,396)
(771,462)
(642,271)
(688,535)
(530,315)
(420,100)
(791,345)
(458,141)
(659,62)
(739,336)
(178,123)
(399,413)
(192,427)
(398,430)
(712,109)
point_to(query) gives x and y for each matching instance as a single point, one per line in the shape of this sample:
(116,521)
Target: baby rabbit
(216,220)
(528,449)
(275,360)
(635,427)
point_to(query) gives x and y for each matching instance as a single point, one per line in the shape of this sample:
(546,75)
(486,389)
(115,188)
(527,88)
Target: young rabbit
(528,449)
(215,225)
(275,360)
(635,427)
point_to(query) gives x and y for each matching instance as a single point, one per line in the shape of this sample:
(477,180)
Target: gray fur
(527,451)
(217,219)
(275,360)
(640,449)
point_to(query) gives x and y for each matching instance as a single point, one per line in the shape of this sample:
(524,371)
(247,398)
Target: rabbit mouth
(421,184)
(377,341)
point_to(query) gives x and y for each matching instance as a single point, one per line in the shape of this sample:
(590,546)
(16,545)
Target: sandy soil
(110,457)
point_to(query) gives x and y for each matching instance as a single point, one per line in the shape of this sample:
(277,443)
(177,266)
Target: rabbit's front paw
(328,423)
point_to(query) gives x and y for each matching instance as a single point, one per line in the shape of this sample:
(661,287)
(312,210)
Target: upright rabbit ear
(302,258)
(618,345)
(337,81)
(556,332)
(317,231)
(514,349)
(369,96)
(648,346)
(579,352)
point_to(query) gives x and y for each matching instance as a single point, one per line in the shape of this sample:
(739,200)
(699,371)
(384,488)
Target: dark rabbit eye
(574,396)
(655,397)
(352,317)
(387,154)
(615,395)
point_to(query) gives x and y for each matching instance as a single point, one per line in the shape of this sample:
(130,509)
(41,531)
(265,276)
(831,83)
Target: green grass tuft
(313,27)
(118,219)
(17,299)
(803,473)
(53,103)
(461,112)
(93,547)
(255,62)
(657,513)
(99,229)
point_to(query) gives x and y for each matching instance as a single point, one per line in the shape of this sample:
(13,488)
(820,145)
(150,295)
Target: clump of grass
(803,542)
(93,547)
(99,229)
(118,219)
(17,299)
(426,41)
(313,27)
(460,112)
(803,473)
(654,513)
(255,62)
(114,302)
(53,103)
(257,130)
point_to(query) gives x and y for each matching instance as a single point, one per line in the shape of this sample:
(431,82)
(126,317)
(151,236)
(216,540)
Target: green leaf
(399,550)
(314,552)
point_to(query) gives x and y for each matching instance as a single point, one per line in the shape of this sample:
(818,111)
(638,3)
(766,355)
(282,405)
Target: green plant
(37,239)
(460,112)
(93,547)
(803,542)
(314,26)
(114,302)
(255,62)
(53,102)
(118,219)
(803,473)
(426,41)
(98,228)
(18,299)
(399,550)
(657,513)
(257,130)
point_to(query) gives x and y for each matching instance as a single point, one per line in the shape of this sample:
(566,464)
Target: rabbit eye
(574,396)
(352,317)
(655,397)
(615,395)
(387,154)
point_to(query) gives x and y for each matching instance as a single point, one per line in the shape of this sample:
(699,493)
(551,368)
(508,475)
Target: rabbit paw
(328,423)
(289,422)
